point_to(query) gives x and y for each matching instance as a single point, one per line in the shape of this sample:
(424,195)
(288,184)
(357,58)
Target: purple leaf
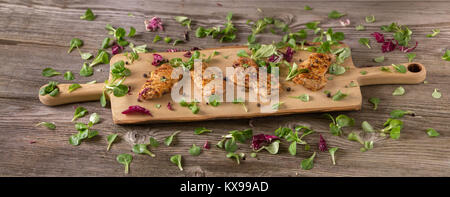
(157,59)
(206,145)
(262,139)
(322,144)
(378,36)
(136,109)
(153,24)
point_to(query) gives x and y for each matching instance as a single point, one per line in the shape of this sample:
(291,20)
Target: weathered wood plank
(35,35)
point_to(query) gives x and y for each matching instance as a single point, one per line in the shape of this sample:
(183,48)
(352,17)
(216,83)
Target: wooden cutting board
(319,102)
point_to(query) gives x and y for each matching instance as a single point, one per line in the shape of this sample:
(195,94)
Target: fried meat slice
(245,62)
(159,83)
(317,65)
(201,81)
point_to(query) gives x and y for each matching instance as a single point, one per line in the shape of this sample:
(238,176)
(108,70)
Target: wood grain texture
(36,34)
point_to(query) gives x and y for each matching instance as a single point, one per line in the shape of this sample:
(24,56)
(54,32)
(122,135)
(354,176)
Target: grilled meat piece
(159,83)
(201,81)
(245,62)
(317,65)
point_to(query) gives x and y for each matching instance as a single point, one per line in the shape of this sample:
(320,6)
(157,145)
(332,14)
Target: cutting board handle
(415,73)
(87,92)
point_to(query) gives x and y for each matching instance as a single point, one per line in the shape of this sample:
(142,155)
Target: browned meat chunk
(317,65)
(245,62)
(159,83)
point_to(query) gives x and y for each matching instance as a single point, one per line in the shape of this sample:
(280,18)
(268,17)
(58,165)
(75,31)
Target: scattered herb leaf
(195,150)
(399,91)
(176,159)
(125,159)
(110,138)
(49,125)
(308,163)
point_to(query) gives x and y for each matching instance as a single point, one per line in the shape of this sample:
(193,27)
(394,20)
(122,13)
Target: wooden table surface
(35,35)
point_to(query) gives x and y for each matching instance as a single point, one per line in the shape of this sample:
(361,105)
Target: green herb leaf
(293,71)
(49,125)
(364,41)
(49,72)
(360,28)
(336,69)
(156,38)
(272,148)
(344,121)
(375,102)
(120,90)
(73,87)
(368,145)
(69,75)
(101,58)
(125,159)
(306,7)
(308,164)
(393,126)
(176,159)
(167,39)
(94,118)
(332,153)
(277,106)
(79,112)
(85,56)
(103,99)
(399,68)
(105,43)
(293,148)
(51,89)
(432,133)
(446,55)
(154,142)
(303,97)
(201,130)
(88,15)
(264,51)
(253,155)
(236,156)
(385,69)
(395,133)
(436,94)
(363,72)
(312,25)
(379,59)
(169,139)
(398,113)
(370,19)
(195,150)
(335,14)
(435,33)
(184,21)
(132,32)
(355,137)
(367,127)
(110,138)
(177,42)
(86,70)
(200,32)
(339,96)
(411,56)
(75,43)
(399,91)
(142,149)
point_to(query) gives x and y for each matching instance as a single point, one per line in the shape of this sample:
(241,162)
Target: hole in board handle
(415,68)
